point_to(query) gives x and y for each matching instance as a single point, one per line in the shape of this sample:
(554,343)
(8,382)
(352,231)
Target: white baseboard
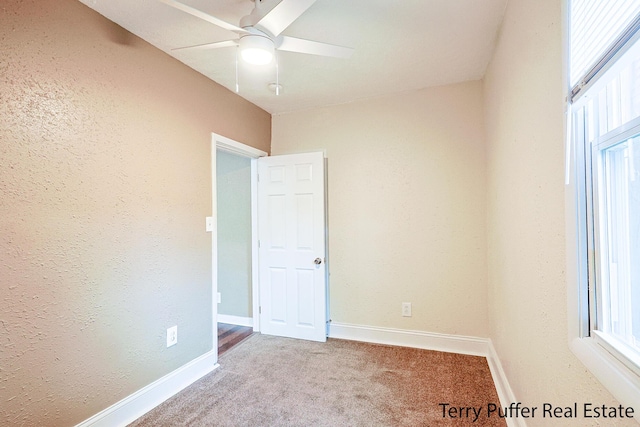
(439,342)
(505,393)
(139,403)
(418,339)
(235,320)
(142,401)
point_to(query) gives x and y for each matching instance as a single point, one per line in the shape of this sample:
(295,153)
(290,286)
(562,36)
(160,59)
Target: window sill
(621,382)
(620,350)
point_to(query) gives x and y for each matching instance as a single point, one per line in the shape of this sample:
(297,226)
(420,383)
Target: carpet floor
(272,381)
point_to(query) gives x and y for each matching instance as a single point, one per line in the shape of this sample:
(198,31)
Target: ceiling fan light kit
(256,49)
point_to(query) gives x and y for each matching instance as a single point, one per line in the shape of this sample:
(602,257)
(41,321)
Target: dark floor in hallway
(231,335)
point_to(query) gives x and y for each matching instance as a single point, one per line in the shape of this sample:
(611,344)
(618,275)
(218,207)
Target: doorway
(289,283)
(234,227)
(233,186)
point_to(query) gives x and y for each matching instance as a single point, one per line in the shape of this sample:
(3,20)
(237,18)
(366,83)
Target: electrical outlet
(172,336)
(406,309)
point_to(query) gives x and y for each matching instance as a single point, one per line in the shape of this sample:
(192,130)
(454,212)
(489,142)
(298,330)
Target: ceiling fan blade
(206,46)
(293,44)
(282,15)
(205,16)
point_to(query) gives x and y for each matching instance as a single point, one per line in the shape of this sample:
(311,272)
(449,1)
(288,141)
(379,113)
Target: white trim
(406,338)
(505,393)
(439,342)
(219,142)
(235,320)
(144,400)
(304,151)
(623,384)
(214,247)
(255,266)
(238,148)
(147,398)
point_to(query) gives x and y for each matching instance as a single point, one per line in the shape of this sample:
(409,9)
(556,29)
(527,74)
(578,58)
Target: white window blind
(596,25)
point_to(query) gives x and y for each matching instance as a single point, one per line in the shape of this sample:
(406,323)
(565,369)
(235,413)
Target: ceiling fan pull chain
(237,84)
(277,74)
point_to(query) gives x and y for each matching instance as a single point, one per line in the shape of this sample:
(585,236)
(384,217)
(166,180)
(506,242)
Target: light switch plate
(209,226)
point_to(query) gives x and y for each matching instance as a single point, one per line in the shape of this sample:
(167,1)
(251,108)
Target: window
(605,125)
(610,138)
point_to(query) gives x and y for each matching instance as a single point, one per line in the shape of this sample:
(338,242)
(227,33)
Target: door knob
(317,261)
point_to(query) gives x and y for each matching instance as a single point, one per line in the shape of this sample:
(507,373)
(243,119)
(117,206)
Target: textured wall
(105,180)
(233,175)
(526,235)
(406,206)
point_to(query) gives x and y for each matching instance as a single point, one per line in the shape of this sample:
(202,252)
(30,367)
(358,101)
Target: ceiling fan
(260,32)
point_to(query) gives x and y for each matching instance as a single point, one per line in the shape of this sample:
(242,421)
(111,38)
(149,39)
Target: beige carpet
(271,381)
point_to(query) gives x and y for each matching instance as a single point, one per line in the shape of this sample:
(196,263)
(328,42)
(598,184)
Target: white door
(291,234)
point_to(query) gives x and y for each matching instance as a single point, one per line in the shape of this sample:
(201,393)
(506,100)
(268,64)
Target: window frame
(594,238)
(601,358)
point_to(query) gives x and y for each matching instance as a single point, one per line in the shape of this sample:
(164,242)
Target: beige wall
(406,206)
(233,182)
(105,181)
(526,236)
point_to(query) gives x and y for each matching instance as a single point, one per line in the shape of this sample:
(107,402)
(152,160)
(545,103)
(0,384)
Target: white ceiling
(400,45)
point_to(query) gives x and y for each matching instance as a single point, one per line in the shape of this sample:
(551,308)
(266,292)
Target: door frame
(219,142)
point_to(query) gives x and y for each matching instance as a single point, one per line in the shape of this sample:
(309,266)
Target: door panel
(291,221)
(278,297)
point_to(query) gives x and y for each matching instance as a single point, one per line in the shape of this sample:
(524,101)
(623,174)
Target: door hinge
(259,309)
